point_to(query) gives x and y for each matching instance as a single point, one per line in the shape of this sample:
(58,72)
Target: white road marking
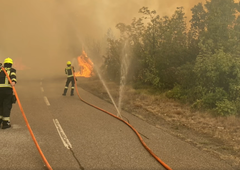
(46,101)
(42,89)
(62,135)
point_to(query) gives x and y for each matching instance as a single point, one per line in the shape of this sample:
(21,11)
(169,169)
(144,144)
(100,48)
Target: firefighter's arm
(13,76)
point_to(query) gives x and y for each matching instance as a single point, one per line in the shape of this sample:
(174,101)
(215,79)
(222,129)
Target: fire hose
(38,147)
(136,132)
(28,126)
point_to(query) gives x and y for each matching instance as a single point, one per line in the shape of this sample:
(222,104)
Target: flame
(85,66)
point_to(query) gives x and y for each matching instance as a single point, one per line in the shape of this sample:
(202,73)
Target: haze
(44,34)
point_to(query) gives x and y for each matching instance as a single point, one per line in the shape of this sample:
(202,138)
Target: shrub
(176,93)
(226,107)
(209,100)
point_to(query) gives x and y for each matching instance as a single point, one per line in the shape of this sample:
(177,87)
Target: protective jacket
(6,96)
(4,83)
(70,78)
(68,71)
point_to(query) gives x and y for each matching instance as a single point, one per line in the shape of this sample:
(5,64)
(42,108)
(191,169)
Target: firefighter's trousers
(5,106)
(69,79)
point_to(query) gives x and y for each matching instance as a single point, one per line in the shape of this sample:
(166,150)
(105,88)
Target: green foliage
(210,99)
(111,67)
(200,65)
(237,105)
(197,22)
(176,93)
(214,20)
(185,76)
(226,107)
(217,70)
(219,75)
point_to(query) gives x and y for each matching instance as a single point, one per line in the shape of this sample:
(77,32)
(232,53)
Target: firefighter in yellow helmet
(6,92)
(69,70)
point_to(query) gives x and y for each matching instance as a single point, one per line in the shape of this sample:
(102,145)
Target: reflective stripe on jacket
(68,71)
(3,78)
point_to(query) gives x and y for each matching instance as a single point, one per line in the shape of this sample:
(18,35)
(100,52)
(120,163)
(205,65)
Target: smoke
(45,34)
(93,18)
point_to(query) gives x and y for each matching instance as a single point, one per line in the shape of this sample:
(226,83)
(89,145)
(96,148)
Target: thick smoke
(44,34)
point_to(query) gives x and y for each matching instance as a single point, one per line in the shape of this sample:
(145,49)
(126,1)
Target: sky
(45,34)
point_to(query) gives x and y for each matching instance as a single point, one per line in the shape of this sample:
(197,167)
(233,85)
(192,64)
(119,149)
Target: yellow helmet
(8,60)
(69,63)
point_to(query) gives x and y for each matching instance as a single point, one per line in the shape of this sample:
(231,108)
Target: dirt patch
(219,136)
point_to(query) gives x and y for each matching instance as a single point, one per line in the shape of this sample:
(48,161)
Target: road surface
(98,140)
(40,36)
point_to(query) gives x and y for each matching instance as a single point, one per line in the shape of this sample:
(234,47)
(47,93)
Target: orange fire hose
(140,138)
(26,121)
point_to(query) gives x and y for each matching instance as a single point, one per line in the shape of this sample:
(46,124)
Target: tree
(214,21)
(172,48)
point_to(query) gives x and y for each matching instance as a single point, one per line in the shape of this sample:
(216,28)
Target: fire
(85,66)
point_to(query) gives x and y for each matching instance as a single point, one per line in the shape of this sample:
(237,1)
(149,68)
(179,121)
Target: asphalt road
(41,33)
(98,140)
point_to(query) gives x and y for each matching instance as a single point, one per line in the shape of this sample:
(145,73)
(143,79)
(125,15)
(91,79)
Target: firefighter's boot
(6,124)
(72,92)
(64,92)
(0,123)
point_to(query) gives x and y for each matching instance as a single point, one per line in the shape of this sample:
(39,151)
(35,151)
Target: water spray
(124,70)
(105,86)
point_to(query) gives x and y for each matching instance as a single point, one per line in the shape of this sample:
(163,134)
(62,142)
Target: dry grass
(218,135)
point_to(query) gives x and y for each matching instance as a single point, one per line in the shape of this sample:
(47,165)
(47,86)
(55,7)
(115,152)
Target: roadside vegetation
(185,73)
(199,65)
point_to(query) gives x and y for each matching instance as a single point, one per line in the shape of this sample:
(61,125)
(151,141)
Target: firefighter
(6,92)
(69,70)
